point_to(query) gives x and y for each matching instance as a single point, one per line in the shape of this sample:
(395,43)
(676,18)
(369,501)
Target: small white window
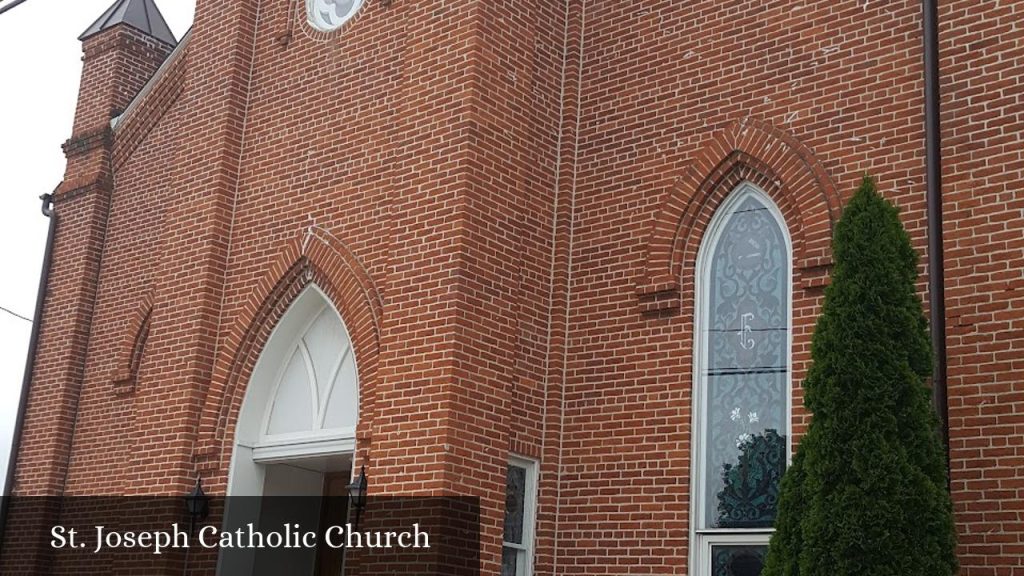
(742,358)
(327,15)
(520,514)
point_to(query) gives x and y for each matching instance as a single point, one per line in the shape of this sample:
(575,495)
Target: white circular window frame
(313,21)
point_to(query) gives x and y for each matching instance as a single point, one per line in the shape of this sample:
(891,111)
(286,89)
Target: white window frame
(524,562)
(702,539)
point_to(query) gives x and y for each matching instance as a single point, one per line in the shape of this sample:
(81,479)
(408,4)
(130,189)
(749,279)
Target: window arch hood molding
(753,151)
(312,256)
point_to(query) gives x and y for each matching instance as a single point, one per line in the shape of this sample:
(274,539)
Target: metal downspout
(933,180)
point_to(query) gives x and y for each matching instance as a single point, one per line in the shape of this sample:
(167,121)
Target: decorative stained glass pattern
(732,560)
(746,375)
(329,15)
(515,500)
(518,509)
(751,486)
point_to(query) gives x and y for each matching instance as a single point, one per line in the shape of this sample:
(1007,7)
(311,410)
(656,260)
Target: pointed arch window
(302,400)
(315,396)
(295,436)
(742,388)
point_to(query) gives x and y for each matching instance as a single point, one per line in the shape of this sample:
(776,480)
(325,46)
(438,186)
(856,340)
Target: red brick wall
(983,177)
(669,91)
(116,64)
(504,200)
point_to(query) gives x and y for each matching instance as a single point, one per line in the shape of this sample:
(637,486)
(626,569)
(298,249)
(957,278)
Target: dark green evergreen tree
(866,492)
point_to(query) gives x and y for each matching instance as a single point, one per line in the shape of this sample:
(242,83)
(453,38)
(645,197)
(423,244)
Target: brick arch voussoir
(748,150)
(121,377)
(314,257)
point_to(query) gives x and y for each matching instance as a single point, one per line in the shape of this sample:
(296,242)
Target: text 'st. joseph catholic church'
(565,257)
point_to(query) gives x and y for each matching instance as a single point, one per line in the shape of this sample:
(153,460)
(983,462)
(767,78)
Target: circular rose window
(327,15)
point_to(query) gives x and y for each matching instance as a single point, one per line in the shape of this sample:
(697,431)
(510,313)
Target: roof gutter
(933,180)
(33,345)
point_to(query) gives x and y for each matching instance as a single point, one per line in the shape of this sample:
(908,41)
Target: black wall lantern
(198,505)
(357,494)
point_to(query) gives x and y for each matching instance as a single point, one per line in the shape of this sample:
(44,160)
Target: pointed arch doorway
(295,435)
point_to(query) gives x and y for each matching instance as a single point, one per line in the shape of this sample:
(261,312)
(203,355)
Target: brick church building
(565,257)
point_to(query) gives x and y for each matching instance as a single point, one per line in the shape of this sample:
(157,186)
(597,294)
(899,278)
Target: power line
(15,314)
(8,7)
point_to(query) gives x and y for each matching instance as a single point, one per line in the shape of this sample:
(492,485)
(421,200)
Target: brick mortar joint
(74,188)
(87,141)
(120,37)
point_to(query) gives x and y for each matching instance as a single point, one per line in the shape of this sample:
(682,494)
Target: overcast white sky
(40,65)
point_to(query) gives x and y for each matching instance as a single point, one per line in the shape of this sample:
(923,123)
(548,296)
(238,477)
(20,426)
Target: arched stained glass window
(742,382)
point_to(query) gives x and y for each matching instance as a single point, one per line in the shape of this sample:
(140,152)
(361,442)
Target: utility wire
(8,7)
(15,314)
